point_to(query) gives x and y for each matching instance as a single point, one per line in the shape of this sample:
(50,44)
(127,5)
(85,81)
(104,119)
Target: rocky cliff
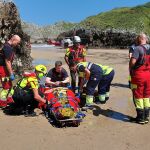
(10,23)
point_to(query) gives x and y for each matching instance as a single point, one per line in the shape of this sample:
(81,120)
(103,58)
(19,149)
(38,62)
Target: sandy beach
(106,127)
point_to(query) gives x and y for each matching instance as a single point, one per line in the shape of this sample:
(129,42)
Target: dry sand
(106,127)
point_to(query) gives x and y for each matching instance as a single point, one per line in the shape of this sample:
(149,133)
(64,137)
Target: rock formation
(10,24)
(109,38)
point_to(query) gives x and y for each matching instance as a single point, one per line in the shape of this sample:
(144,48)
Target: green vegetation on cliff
(135,19)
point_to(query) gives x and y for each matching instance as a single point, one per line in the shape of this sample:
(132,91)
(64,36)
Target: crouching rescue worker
(57,76)
(26,94)
(93,73)
(139,66)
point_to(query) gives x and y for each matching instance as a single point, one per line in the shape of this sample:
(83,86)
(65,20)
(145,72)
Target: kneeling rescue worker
(26,94)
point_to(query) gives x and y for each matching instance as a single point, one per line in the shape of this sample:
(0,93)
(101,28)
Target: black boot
(29,111)
(146,115)
(140,116)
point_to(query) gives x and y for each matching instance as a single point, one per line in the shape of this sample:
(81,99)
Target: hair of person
(58,63)
(141,36)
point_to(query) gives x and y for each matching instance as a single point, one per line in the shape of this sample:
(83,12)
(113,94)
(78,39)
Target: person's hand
(57,83)
(42,105)
(12,77)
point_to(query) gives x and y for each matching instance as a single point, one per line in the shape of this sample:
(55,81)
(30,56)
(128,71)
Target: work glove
(12,77)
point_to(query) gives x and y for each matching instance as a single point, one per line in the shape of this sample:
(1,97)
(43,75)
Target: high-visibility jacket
(106,69)
(75,55)
(28,82)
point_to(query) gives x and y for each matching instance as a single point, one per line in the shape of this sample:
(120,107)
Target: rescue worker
(75,54)
(93,73)
(104,84)
(139,66)
(6,71)
(57,76)
(26,94)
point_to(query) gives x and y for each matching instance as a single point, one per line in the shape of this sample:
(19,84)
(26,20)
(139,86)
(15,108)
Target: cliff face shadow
(111,114)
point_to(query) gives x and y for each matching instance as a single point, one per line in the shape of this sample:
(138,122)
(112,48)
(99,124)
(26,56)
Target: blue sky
(44,12)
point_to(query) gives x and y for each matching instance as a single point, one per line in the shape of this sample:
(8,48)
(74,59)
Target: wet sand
(106,127)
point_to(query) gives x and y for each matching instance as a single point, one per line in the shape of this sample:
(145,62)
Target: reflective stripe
(133,86)
(89,65)
(146,102)
(89,99)
(139,103)
(102,97)
(3,94)
(5,79)
(129,78)
(107,94)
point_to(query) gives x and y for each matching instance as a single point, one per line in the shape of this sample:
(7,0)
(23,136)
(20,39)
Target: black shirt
(56,76)
(7,53)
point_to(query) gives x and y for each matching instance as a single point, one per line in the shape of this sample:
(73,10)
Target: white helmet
(68,41)
(76,39)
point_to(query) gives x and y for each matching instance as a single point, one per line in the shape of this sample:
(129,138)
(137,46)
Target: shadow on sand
(120,85)
(111,114)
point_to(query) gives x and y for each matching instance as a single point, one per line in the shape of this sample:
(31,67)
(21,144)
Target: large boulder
(10,23)
(109,38)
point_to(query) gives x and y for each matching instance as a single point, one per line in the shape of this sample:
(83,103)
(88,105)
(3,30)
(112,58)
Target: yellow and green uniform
(96,74)
(106,69)
(23,93)
(28,83)
(106,76)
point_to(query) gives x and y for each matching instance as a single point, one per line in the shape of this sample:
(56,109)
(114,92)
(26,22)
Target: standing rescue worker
(75,54)
(26,94)
(6,71)
(139,66)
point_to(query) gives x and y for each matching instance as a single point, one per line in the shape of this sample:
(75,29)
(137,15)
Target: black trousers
(24,99)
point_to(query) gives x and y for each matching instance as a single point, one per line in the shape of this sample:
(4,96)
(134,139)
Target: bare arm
(49,82)
(66,80)
(132,63)
(37,97)
(9,67)
(130,55)
(66,60)
(87,74)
